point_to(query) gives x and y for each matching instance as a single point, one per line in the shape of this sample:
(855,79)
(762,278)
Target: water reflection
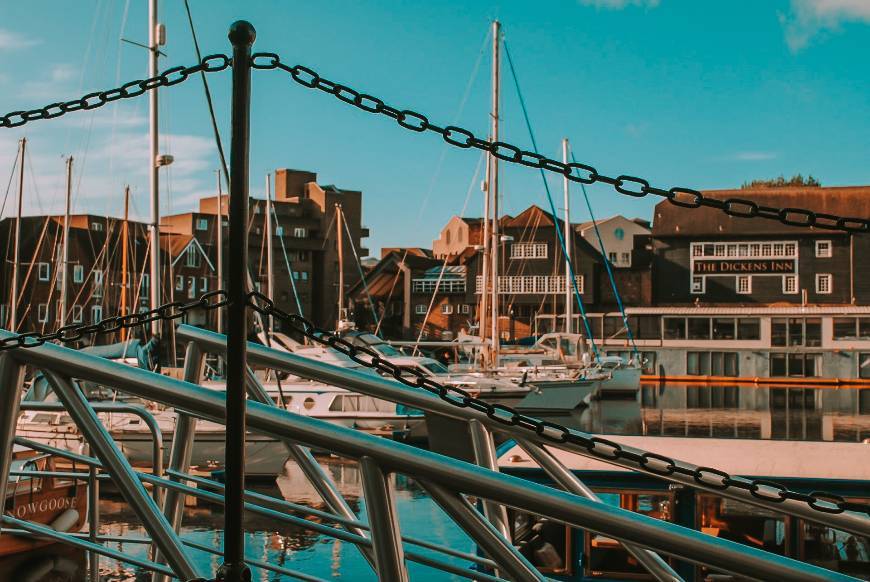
(819,413)
(294,547)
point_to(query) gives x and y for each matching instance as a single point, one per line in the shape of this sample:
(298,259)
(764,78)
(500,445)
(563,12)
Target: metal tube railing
(461,477)
(389,390)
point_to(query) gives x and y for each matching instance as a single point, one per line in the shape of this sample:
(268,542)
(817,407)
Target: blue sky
(697,94)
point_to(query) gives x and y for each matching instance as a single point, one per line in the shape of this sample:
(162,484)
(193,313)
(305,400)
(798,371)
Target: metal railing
(449,481)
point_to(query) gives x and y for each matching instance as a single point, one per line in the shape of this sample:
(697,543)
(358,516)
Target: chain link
(577,172)
(169,77)
(596,446)
(70,333)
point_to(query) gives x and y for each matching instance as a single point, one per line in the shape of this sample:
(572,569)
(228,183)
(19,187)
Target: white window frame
(824,249)
(44,271)
(77,314)
(144,285)
(304,275)
(98,276)
(97,226)
(420,309)
(179,282)
(465,308)
(701,288)
(96,313)
(203,284)
(820,277)
(747,290)
(785,284)
(192,258)
(446,309)
(299,232)
(529,250)
(191,287)
(202,224)
(78,273)
(42,312)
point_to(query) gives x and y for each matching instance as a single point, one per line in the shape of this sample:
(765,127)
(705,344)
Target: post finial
(242,33)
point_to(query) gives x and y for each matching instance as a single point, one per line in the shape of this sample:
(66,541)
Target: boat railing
(450,482)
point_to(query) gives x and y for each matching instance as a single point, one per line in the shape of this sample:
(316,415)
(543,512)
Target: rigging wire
(9,184)
(214,125)
(552,206)
(358,264)
(290,271)
(608,267)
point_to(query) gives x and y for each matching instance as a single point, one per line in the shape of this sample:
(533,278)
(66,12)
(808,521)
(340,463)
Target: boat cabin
(566,553)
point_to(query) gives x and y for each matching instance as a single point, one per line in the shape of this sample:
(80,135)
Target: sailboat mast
(270,275)
(569,243)
(493,187)
(13,303)
(125,234)
(154,226)
(220,250)
(339,226)
(64,276)
(484,288)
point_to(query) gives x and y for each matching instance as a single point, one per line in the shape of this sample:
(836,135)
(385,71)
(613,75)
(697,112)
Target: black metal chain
(169,77)
(577,172)
(602,448)
(74,332)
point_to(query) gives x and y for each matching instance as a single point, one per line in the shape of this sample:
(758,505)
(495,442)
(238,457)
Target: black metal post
(241,35)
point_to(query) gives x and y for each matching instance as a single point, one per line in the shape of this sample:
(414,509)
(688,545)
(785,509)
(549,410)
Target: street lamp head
(164,160)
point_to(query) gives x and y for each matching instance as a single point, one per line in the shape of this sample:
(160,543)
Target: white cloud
(752,156)
(807,18)
(62,73)
(619,4)
(11,40)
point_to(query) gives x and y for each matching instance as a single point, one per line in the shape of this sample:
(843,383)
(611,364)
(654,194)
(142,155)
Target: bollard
(241,35)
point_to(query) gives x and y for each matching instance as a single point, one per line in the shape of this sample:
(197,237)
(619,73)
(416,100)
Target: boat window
(836,550)
(606,557)
(42,418)
(308,403)
(545,543)
(549,343)
(353,403)
(436,367)
(387,350)
(675,328)
(742,523)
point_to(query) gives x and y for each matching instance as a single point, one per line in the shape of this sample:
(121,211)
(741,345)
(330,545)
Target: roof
(747,457)
(672,220)
(743,310)
(533,216)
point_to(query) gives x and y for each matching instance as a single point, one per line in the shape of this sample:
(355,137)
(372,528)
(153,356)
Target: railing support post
(491,540)
(484,456)
(651,561)
(11,376)
(241,35)
(384,522)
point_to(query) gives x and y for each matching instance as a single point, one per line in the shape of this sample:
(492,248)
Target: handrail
(386,389)
(457,476)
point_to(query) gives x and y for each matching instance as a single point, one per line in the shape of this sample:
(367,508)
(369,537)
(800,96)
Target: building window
(724,328)
(626,259)
(528,250)
(97,226)
(299,232)
(179,282)
(192,257)
(420,309)
(77,314)
(796,331)
(748,328)
(712,364)
(203,284)
(98,276)
(96,313)
(44,271)
(446,309)
(697,250)
(795,364)
(744,284)
(675,328)
(533,284)
(864,365)
(145,285)
(465,308)
(42,313)
(611,256)
(823,284)
(304,275)
(823,249)
(852,328)
(202,224)
(699,328)
(698,285)
(789,284)
(191,287)
(78,273)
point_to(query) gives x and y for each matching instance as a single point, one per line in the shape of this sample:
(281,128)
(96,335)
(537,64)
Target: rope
(358,264)
(552,207)
(609,268)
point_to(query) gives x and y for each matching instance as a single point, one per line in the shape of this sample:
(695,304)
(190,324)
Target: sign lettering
(744,267)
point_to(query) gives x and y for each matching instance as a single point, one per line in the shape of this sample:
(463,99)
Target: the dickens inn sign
(744,267)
